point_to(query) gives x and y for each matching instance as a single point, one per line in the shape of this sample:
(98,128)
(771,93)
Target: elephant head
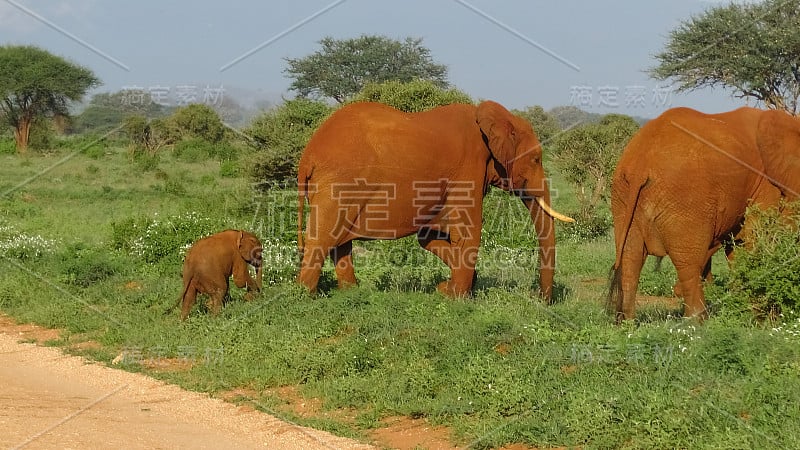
(250,250)
(516,166)
(778,140)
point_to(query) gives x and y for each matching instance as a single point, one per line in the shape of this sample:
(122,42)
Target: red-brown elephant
(682,186)
(373,172)
(212,260)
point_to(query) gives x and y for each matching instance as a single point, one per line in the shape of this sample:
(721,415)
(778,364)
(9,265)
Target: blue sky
(517,52)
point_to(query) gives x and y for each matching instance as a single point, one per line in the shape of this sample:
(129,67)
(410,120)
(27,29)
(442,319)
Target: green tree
(587,155)
(750,48)
(412,96)
(545,125)
(572,116)
(35,83)
(281,135)
(148,135)
(343,67)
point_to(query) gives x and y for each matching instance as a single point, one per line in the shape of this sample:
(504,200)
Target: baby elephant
(212,260)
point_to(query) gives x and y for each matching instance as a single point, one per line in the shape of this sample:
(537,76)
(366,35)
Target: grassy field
(91,243)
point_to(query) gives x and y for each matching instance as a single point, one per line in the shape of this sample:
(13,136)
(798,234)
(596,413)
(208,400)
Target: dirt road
(52,400)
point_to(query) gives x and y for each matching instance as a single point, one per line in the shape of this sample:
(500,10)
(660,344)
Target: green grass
(497,368)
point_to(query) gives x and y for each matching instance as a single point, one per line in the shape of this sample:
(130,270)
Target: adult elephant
(373,172)
(682,186)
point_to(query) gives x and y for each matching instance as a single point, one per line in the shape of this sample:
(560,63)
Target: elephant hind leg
(189,297)
(691,288)
(459,256)
(626,276)
(311,267)
(342,257)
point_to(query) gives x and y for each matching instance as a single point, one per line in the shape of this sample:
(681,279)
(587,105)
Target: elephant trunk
(544,223)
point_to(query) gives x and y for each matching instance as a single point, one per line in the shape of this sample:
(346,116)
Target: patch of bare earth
(399,432)
(664,302)
(53,400)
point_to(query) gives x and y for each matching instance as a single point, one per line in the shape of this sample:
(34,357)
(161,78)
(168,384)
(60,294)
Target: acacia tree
(752,49)
(414,96)
(35,83)
(343,67)
(587,156)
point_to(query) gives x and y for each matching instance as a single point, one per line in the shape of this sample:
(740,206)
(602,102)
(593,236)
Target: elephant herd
(680,189)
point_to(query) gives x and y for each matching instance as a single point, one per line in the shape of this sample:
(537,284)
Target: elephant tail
(621,230)
(180,299)
(302,192)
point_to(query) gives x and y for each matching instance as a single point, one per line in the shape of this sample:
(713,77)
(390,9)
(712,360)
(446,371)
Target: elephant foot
(450,289)
(346,284)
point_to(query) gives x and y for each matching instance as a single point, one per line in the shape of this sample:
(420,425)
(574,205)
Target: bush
(20,245)
(155,239)
(414,96)
(198,121)
(7,146)
(83,266)
(586,228)
(766,270)
(282,134)
(148,135)
(587,156)
(42,135)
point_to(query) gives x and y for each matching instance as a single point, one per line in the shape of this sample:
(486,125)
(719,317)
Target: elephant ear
(239,237)
(495,122)
(779,143)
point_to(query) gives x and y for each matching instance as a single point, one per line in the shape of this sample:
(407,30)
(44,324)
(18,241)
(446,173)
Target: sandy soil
(52,400)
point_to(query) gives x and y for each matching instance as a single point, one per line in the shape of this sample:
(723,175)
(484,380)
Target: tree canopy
(545,125)
(751,48)
(341,68)
(35,83)
(413,96)
(587,156)
(108,110)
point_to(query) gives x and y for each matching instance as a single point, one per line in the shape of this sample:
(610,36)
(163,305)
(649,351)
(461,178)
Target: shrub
(155,239)
(587,227)
(42,135)
(83,266)
(23,246)
(587,156)
(766,270)
(148,135)
(198,121)
(413,96)
(7,146)
(282,134)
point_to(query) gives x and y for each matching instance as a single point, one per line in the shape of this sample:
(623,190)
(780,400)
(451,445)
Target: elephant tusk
(554,214)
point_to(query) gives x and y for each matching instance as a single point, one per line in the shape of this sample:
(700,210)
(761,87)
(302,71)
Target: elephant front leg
(242,279)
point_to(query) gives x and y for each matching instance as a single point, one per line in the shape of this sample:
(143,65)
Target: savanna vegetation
(96,252)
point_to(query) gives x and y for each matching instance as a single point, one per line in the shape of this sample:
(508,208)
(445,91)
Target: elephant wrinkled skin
(682,186)
(373,172)
(212,260)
